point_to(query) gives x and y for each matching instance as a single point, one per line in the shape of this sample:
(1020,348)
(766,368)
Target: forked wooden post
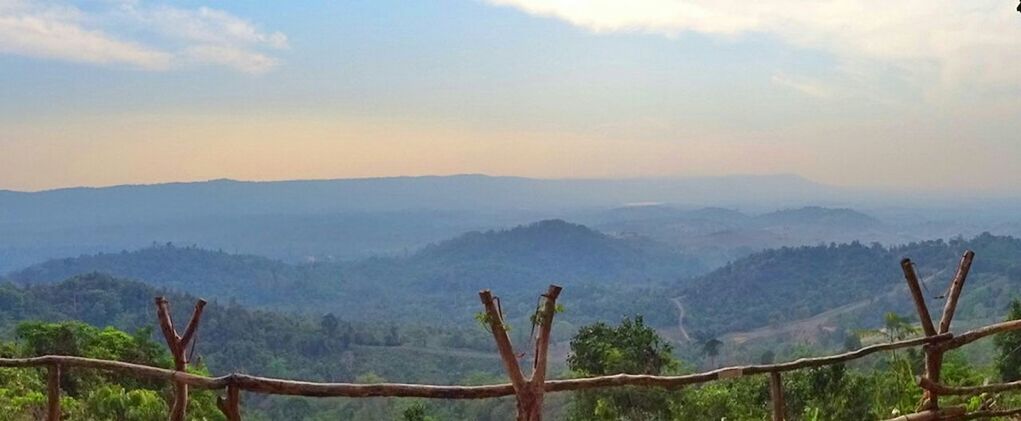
(53,392)
(934,354)
(528,392)
(178,345)
(776,396)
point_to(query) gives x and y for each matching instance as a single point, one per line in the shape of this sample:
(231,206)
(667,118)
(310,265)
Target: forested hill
(814,215)
(787,284)
(234,338)
(250,279)
(439,283)
(555,250)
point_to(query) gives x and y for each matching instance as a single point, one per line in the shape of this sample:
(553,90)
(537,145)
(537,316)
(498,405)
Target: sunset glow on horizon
(98,93)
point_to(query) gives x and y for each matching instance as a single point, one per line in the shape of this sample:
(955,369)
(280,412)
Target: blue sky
(919,94)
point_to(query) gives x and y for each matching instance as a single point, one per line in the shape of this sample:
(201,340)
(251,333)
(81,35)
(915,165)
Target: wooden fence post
(231,406)
(53,392)
(545,321)
(178,345)
(934,354)
(955,291)
(776,396)
(528,392)
(930,400)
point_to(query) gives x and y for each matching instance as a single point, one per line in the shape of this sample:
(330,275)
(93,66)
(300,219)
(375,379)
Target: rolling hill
(780,286)
(235,338)
(438,283)
(343,219)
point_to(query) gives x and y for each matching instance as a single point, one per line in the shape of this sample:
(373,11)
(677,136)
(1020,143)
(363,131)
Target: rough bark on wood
(231,405)
(178,345)
(53,392)
(528,392)
(537,382)
(523,393)
(916,294)
(776,397)
(1002,413)
(300,388)
(932,414)
(933,357)
(943,389)
(955,291)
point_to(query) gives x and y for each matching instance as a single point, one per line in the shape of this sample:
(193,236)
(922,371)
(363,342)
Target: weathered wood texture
(956,285)
(1003,413)
(528,392)
(231,405)
(53,392)
(943,389)
(916,294)
(932,414)
(178,345)
(933,357)
(776,397)
(300,388)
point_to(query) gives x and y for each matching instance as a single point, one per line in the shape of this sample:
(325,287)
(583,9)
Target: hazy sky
(906,94)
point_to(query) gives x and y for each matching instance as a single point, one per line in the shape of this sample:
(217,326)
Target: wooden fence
(529,391)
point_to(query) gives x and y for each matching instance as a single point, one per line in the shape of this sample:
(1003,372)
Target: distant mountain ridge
(342,219)
(457,192)
(718,235)
(441,280)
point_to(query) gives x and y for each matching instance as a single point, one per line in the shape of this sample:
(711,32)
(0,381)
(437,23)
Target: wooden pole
(934,355)
(178,345)
(522,391)
(53,392)
(916,294)
(231,406)
(538,381)
(955,291)
(528,392)
(933,358)
(776,396)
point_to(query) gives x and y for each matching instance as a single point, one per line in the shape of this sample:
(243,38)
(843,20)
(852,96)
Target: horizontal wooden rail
(301,388)
(943,389)
(65,362)
(987,414)
(976,334)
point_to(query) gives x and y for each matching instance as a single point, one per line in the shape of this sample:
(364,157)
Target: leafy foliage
(783,285)
(1008,345)
(87,394)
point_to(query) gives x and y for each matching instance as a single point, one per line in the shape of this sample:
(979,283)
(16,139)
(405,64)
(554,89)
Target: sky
(919,95)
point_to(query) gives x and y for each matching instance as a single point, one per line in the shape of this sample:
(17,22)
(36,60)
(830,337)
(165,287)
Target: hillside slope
(235,338)
(788,284)
(439,283)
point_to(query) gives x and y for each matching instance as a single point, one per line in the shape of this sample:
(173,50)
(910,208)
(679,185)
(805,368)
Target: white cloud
(806,86)
(238,58)
(943,45)
(173,37)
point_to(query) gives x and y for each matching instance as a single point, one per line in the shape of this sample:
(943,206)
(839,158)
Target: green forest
(874,388)
(378,319)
